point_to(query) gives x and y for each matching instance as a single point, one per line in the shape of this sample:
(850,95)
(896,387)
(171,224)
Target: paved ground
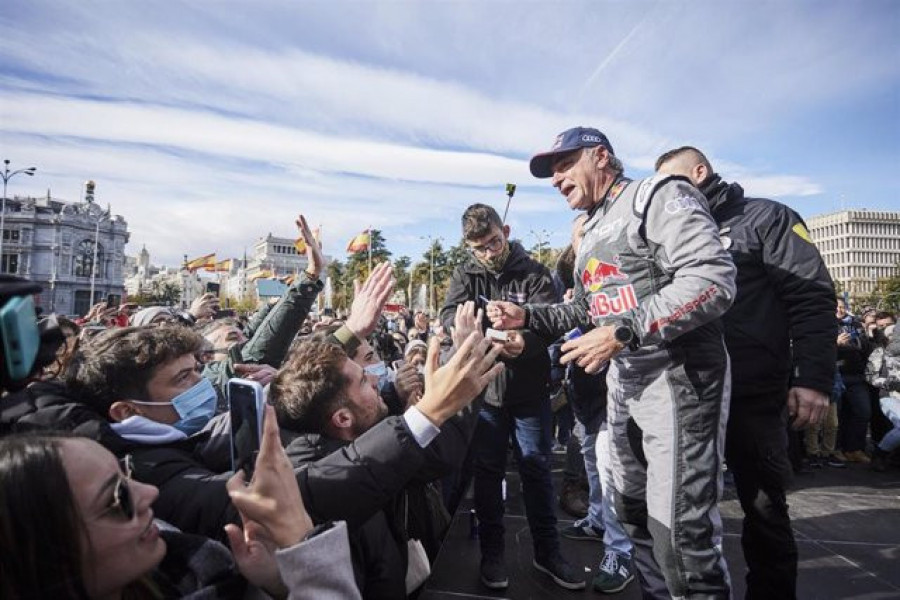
(847,524)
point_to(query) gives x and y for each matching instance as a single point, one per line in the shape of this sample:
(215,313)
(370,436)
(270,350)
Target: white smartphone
(246,405)
(496,334)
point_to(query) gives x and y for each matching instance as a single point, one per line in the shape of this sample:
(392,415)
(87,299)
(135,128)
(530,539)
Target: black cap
(569,140)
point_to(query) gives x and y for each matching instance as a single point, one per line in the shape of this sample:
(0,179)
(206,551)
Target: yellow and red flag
(264,274)
(207,261)
(224,265)
(300,244)
(360,243)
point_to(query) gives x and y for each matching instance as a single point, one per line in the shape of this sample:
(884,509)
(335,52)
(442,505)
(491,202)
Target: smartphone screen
(212,287)
(245,404)
(113,300)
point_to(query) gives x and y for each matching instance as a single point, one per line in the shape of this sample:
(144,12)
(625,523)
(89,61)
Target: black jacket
(523,280)
(780,331)
(366,474)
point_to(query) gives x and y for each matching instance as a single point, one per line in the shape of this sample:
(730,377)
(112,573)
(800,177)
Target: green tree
(886,294)
(340,297)
(358,262)
(167,292)
(403,276)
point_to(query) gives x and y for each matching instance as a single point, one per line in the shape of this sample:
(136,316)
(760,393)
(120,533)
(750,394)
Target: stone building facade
(859,247)
(54,243)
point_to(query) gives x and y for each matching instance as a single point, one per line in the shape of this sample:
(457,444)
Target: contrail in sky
(611,56)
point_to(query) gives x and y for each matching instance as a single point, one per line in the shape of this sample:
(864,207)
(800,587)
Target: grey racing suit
(651,259)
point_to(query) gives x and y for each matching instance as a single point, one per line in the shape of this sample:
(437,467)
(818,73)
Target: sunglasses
(123,502)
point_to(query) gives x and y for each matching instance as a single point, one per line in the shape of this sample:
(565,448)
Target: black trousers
(756,450)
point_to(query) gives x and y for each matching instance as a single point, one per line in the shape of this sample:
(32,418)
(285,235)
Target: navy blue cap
(570,139)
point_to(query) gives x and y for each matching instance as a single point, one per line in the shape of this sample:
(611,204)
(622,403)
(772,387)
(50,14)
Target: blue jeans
(528,427)
(614,537)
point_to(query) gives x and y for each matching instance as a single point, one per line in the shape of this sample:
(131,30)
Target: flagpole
(370,250)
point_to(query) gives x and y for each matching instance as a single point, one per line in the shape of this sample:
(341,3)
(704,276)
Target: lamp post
(7,175)
(100,219)
(431,241)
(541,237)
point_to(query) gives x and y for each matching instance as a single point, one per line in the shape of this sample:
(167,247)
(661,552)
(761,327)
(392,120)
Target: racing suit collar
(614,190)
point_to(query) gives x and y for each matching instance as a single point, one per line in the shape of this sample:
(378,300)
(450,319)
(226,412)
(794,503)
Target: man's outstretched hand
(369,300)
(451,388)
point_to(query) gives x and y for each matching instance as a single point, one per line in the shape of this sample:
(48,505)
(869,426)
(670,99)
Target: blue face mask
(195,406)
(380,371)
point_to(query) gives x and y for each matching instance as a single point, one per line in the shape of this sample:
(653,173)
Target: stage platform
(846,521)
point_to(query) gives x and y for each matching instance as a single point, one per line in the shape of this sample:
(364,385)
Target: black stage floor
(846,521)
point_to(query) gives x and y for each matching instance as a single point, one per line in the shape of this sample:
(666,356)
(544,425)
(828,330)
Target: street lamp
(431,241)
(541,237)
(6,177)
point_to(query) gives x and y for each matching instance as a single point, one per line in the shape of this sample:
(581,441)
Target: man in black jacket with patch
(516,404)
(780,334)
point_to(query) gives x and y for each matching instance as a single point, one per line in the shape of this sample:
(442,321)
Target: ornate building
(859,247)
(68,248)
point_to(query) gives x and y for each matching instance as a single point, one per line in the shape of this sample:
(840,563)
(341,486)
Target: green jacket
(271,340)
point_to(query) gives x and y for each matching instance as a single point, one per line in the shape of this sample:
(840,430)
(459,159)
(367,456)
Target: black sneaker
(835,462)
(562,573)
(583,531)
(493,572)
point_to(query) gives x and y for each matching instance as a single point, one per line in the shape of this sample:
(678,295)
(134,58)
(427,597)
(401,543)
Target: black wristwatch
(625,336)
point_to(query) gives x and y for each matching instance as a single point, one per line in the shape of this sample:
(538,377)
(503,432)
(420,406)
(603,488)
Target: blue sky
(208,124)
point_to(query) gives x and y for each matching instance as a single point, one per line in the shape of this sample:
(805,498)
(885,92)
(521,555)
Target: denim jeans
(890,406)
(528,427)
(614,538)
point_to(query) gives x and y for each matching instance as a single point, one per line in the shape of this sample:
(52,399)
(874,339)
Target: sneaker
(493,572)
(836,462)
(614,575)
(857,456)
(583,531)
(816,462)
(839,455)
(559,569)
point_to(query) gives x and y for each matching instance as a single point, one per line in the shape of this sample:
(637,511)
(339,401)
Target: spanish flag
(204,262)
(265,274)
(360,243)
(224,265)
(300,244)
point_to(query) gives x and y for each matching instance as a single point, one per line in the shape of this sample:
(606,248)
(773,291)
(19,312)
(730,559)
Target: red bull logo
(603,304)
(596,273)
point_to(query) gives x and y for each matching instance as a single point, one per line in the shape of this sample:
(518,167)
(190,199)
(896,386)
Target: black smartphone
(223,313)
(113,300)
(212,288)
(246,405)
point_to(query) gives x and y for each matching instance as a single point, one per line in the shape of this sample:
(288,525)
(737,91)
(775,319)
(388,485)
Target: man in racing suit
(652,279)
(780,334)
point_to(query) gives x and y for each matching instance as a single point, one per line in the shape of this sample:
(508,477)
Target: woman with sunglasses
(73,524)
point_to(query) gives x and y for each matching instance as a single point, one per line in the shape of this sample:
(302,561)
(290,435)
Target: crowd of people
(689,328)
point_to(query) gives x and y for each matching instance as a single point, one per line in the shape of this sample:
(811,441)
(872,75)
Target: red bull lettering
(603,305)
(597,273)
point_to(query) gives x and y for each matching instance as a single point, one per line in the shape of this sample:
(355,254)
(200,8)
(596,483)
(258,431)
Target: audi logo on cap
(591,138)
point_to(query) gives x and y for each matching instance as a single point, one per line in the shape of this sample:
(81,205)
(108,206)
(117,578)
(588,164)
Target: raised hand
(272,500)
(450,388)
(315,259)
(465,322)
(369,300)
